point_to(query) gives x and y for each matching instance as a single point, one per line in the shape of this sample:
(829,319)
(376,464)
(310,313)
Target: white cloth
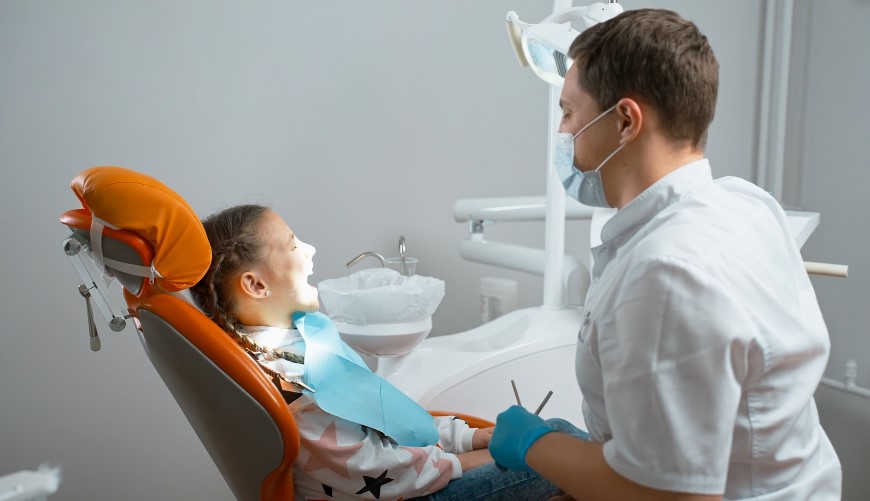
(702,345)
(341,460)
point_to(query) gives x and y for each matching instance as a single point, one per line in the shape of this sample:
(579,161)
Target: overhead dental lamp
(544,46)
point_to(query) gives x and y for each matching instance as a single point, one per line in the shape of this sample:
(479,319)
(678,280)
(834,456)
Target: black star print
(374,485)
(327,490)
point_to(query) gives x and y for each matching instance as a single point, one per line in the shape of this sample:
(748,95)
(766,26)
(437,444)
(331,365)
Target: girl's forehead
(273,227)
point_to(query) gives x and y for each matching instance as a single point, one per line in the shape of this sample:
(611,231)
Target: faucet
(366,254)
(404,270)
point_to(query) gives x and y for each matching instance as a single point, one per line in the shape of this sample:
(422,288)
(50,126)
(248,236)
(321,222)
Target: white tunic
(702,345)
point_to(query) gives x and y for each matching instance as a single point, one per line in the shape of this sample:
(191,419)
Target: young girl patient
(256,286)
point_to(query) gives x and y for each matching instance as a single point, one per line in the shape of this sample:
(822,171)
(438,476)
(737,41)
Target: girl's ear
(252,285)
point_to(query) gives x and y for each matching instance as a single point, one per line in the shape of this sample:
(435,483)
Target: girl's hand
(481,438)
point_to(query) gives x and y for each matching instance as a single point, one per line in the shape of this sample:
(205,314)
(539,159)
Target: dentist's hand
(516,429)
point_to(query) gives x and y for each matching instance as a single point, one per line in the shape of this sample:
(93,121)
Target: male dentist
(702,341)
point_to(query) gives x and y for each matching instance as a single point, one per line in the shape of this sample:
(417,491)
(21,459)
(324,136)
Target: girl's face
(287,264)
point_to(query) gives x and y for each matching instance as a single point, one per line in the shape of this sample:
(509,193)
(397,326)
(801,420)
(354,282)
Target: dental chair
(134,228)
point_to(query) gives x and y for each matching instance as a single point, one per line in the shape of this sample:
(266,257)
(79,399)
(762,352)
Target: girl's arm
(349,458)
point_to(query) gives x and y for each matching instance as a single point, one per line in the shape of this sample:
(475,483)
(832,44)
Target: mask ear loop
(599,117)
(617,150)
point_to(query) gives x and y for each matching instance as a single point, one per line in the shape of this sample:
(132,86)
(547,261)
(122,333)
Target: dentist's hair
(657,57)
(235,243)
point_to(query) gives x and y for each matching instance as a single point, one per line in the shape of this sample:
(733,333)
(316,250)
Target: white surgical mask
(585,187)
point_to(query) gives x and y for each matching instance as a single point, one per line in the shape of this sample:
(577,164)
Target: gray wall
(358,121)
(832,75)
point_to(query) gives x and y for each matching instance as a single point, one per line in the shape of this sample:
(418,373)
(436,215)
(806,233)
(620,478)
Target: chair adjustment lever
(92,326)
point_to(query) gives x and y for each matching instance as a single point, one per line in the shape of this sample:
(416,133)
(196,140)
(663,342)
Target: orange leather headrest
(128,200)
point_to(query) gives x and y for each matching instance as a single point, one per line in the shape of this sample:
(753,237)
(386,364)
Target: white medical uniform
(702,345)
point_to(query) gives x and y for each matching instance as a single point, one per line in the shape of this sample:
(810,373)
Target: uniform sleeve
(455,434)
(357,461)
(674,359)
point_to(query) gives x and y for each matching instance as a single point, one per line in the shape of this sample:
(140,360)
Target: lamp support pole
(554,222)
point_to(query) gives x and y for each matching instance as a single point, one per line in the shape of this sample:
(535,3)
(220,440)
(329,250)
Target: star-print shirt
(341,460)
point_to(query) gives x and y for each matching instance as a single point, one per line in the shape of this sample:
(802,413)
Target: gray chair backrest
(238,433)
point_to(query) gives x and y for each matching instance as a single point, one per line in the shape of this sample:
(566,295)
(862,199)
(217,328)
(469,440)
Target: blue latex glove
(516,429)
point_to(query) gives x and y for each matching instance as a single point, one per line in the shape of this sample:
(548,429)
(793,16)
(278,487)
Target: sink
(381,312)
(385,340)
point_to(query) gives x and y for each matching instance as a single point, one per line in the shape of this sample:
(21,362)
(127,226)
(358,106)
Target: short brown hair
(658,57)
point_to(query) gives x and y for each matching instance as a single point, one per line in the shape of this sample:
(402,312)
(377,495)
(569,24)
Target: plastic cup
(395,263)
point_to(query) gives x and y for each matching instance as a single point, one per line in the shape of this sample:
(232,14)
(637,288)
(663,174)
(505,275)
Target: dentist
(702,341)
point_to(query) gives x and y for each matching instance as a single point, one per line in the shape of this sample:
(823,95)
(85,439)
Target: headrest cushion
(129,200)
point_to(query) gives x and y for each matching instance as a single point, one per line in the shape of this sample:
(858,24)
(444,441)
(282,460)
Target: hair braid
(215,311)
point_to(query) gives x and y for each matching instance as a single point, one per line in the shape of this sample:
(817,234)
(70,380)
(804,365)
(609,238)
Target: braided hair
(235,244)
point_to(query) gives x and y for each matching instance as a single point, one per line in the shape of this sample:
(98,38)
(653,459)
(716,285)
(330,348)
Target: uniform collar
(656,198)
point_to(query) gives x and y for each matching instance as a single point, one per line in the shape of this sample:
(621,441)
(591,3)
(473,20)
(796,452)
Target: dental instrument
(544,402)
(520,403)
(516,393)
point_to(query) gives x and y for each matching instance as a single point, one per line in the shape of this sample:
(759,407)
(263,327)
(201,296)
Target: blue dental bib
(345,387)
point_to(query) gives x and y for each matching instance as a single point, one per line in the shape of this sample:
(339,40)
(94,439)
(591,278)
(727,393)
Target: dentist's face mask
(585,187)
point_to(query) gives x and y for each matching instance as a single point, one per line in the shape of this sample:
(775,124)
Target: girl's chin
(309,307)
(308,301)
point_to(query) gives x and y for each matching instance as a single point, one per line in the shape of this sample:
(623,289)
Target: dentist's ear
(629,119)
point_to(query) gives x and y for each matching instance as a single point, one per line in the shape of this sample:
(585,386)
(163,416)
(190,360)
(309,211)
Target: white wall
(358,123)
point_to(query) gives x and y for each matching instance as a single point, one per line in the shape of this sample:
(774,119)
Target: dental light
(544,46)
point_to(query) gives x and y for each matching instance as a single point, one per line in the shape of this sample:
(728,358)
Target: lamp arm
(590,15)
(565,16)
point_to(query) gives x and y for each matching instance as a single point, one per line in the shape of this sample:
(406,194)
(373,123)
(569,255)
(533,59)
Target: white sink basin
(385,340)
(380,312)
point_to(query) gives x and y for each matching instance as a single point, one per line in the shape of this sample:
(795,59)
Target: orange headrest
(128,200)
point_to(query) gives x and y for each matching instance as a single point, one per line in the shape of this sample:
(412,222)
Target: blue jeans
(488,483)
